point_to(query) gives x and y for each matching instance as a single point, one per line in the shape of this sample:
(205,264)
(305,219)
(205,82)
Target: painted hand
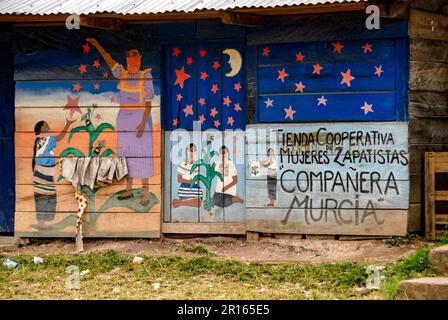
(140,129)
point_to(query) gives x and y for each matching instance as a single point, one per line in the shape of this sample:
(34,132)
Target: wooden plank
(442,219)
(381,222)
(112,224)
(428,25)
(440,195)
(416,187)
(24,143)
(339,107)
(428,50)
(433,5)
(416,217)
(417,152)
(26,118)
(429,196)
(428,131)
(430,76)
(441,166)
(327,197)
(204,228)
(252,236)
(428,104)
(104,200)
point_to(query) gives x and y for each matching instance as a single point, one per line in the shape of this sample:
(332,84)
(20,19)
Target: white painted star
(322,100)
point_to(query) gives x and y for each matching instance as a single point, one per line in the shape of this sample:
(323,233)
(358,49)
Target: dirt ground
(266,250)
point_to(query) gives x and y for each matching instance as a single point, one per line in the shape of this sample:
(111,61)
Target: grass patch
(198,249)
(201,277)
(415,266)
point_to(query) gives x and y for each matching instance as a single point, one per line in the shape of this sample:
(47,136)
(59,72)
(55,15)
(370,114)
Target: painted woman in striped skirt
(44,163)
(189,195)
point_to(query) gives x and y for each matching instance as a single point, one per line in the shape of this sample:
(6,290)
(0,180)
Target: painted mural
(328,178)
(111,108)
(207,100)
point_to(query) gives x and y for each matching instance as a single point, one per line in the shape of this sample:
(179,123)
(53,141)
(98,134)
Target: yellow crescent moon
(235,62)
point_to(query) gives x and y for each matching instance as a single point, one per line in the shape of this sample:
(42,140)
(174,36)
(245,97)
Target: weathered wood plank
(382,222)
(428,104)
(431,5)
(24,143)
(324,197)
(428,25)
(428,131)
(24,173)
(441,218)
(417,153)
(430,76)
(112,224)
(66,202)
(416,189)
(26,118)
(416,217)
(205,228)
(428,50)
(429,196)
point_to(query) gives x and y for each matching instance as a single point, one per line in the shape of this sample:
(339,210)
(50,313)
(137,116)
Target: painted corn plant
(210,174)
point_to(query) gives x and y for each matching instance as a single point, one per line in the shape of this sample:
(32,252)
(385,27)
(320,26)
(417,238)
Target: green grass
(198,277)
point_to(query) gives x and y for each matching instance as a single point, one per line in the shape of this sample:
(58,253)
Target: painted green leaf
(201,178)
(71,152)
(132,203)
(107,153)
(100,129)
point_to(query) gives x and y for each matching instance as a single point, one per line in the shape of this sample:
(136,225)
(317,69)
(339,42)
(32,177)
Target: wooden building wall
(428,94)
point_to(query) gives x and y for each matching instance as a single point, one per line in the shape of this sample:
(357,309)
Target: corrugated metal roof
(45,7)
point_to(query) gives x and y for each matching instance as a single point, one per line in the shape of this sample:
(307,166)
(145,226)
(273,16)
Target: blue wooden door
(7,189)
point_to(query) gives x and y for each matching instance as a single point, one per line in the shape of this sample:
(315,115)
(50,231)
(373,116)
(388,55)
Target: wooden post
(252,236)
(430,228)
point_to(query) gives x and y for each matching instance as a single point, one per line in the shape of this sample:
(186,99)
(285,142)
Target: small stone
(137,260)
(116,290)
(38,260)
(156,286)
(84,272)
(426,288)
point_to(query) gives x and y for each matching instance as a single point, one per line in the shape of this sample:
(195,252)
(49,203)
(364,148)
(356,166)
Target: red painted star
(204,75)
(300,87)
(289,113)
(379,70)
(105,75)
(367,47)
(347,77)
(299,57)
(203,52)
(112,99)
(337,47)
(317,68)
(237,86)
(179,97)
(188,110)
(282,75)
(96,64)
(189,61)
(97,86)
(214,88)
(85,48)
(201,119)
(266,52)
(226,101)
(72,105)
(237,107)
(175,122)
(176,52)
(181,76)
(367,108)
(98,117)
(201,101)
(230,121)
(216,123)
(213,112)
(77,87)
(82,68)
(269,103)
(216,65)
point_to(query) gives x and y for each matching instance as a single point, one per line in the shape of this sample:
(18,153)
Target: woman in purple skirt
(134,122)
